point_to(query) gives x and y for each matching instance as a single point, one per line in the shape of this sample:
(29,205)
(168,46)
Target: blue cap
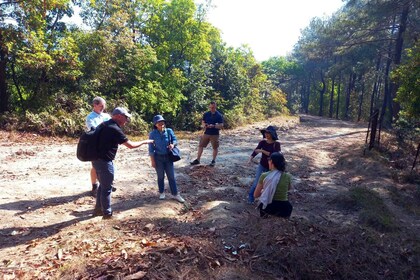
(158,118)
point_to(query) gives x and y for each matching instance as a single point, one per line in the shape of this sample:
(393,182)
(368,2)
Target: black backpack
(87,148)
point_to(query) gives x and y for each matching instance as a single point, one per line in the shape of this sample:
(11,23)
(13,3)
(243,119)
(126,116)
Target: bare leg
(215,151)
(199,153)
(93,177)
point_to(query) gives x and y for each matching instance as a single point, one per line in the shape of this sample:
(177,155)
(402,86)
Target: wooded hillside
(156,56)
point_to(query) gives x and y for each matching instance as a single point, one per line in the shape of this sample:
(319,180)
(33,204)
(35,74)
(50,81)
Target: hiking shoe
(179,198)
(97,213)
(107,217)
(195,162)
(162,196)
(95,189)
(213,163)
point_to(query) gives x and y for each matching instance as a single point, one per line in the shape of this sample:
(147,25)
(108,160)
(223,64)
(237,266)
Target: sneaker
(162,196)
(179,198)
(195,162)
(213,163)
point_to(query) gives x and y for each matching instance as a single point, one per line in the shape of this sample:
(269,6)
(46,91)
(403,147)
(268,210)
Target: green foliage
(407,129)
(137,125)
(149,56)
(373,211)
(277,103)
(234,117)
(407,75)
(409,201)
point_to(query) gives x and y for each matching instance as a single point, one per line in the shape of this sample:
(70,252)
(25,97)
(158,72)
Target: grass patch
(409,200)
(373,211)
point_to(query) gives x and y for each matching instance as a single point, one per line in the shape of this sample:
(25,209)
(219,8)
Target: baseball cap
(121,111)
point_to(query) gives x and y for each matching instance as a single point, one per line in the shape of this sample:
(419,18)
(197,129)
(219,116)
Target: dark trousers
(105,173)
(277,208)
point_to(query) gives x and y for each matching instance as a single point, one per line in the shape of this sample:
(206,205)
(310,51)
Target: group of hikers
(271,184)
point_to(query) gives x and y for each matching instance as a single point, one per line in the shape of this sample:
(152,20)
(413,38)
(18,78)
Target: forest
(157,56)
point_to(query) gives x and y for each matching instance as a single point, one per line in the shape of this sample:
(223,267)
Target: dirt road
(45,189)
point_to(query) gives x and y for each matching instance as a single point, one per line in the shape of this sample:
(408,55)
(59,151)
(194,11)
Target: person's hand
(250,160)
(171,146)
(148,141)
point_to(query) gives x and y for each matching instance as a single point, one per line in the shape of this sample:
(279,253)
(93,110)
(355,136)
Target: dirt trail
(45,189)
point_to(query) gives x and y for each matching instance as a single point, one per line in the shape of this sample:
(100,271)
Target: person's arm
(152,152)
(258,190)
(277,147)
(203,124)
(90,123)
(254,152)
(290,183)
(218,125)
(131,145)
(173,138)
(152,161)
(260,149)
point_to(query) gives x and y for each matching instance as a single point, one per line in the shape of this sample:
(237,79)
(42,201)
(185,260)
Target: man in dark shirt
(110,137)
(212,122)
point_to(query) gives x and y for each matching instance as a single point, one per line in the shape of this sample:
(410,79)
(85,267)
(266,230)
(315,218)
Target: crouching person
(272,188)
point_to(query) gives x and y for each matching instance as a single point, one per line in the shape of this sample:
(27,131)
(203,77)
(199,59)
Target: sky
(269,27)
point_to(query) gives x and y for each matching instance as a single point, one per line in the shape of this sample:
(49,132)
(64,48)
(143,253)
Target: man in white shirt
(95,118)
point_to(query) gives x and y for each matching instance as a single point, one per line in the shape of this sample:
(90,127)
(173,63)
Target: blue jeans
(260,169)
(164,165)
(105,173)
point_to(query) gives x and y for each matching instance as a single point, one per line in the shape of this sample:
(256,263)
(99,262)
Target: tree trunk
(350,88)
(415,159)
(397,57)
(362,93)
(4,94)
(373,131)
(338,96)
(321,96)
(386,104)
(305,96)
(375,86)
(330,113)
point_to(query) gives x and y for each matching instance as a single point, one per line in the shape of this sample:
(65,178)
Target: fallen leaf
(59,254)
(124,254)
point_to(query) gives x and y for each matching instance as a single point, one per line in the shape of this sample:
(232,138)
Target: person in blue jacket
(164,140)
